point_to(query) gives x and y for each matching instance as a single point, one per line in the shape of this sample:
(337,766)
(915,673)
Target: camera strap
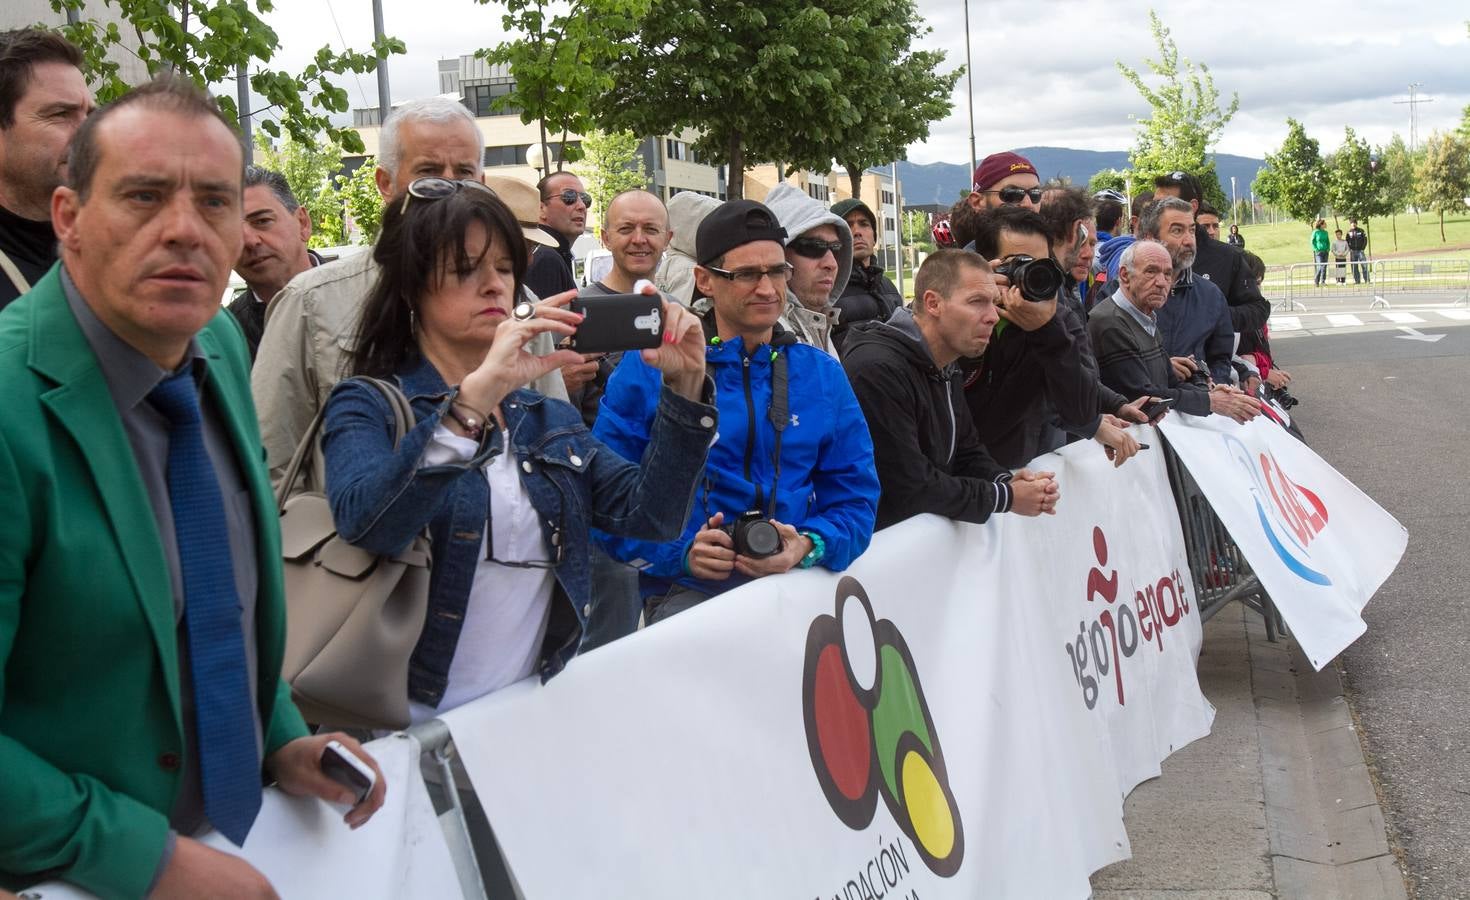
(780,414)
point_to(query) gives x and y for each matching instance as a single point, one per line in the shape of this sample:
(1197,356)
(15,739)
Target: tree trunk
(1393,222)
(1441,226)
(545,151)
(855,179)
(735,177)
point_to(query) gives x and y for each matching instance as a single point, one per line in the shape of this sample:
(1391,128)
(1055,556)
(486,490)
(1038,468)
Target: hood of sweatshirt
(676,272)
(799,213)
(900,334)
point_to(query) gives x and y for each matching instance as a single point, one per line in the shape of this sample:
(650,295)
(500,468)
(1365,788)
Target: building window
(887,198)
(888,225)
(479,99)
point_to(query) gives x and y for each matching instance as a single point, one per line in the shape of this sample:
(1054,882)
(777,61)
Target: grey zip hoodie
(675,274)
(798,214)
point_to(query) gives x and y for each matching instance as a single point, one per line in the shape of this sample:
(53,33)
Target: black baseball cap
(733,224)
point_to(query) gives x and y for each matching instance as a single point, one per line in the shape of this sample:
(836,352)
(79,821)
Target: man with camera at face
(790,480)
(930,459)
(1034,374)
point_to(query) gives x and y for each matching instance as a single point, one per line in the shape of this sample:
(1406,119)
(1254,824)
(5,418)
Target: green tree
(916,231)
(363,202)
(1294,179)
(1354,184)
(1185,118)
(561,60)
(762,80)
(308,168)
(1396,191)
(1108,180)
(207,41)
(610,165)
(899,92)
(1442,177)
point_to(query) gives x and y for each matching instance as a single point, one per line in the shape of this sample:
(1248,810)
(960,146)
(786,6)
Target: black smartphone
(617,322)
(1155,408)
(343,767)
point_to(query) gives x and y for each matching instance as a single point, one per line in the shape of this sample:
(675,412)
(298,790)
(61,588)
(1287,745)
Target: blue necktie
(225,724)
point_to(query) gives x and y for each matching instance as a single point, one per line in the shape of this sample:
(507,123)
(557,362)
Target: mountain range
(944,182)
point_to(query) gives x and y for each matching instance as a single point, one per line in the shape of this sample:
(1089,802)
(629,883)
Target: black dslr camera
(1200,377)
(1038,279)
(754,536)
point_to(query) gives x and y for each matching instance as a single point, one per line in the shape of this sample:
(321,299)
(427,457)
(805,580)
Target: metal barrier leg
(433,736)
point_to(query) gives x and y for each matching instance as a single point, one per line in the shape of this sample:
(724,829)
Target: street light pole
(385,98)
(970,92)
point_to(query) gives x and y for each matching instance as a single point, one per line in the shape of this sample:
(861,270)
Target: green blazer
(91,739)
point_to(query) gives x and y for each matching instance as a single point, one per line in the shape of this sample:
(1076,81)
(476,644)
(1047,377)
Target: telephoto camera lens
(1038,279)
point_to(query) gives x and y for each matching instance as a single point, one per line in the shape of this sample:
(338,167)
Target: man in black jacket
(1357,241)
(869,294)
(927,452)
(1219,263)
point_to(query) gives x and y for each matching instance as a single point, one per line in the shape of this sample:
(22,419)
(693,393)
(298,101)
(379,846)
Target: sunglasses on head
(436,188)
(570,197)
(813,248)
(1014,194)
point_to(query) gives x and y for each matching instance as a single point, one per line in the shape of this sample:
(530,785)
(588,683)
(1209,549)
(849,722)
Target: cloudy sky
(1044,71)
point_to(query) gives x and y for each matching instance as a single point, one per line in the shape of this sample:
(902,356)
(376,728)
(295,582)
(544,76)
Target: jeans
(616,604)
(1321,266)
(1360,262)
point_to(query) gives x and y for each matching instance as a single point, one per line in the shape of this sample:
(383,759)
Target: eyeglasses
(1014,194)
(570,197)
(752,277)
(436,188)
(813,248)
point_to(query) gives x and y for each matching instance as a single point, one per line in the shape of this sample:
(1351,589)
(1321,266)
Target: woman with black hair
(507,482)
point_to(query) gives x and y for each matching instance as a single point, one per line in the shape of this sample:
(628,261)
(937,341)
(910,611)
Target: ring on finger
(524,311)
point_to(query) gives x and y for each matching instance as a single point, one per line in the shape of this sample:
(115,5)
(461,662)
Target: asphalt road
(1393,415)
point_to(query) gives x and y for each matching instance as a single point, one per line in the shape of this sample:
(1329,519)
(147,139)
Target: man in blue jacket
(793,449)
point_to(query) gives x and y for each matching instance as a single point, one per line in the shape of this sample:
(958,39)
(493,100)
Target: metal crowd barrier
(437,762)
(1399,276)
(1221,572)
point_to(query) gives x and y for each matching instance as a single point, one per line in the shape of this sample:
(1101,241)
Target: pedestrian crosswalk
(1281,324)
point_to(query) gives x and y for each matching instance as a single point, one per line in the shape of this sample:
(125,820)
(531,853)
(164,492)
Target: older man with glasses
(790,481)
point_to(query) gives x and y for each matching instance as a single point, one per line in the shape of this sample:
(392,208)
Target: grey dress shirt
(130,377)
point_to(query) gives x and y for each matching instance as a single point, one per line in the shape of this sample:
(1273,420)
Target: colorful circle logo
(870,733)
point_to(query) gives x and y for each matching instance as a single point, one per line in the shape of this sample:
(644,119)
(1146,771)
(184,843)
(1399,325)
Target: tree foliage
(561,60)
(901,91)
(1108,180)
(359,192)
(1293,178)
(308,168)
(1354,185)
(1185,118)
(762,80)
(1442,176)
(610,165)
(207,41)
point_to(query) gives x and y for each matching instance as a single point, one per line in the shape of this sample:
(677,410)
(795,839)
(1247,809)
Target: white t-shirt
(509,607)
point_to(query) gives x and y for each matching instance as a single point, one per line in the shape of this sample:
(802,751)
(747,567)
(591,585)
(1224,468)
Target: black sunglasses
(436,188)
(813,248)
(1016,195)
(570,197)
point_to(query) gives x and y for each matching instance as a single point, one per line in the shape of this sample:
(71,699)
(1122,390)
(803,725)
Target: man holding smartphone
(790,481)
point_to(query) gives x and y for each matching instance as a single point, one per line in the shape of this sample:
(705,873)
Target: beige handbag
(352,617)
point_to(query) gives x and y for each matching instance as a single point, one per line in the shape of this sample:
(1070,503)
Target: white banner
(1320,546)
(302,846)
(960,714)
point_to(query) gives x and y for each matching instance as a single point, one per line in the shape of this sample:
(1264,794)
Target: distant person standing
(1357,240)
(1235,238)
(1340,254)
(1320,244)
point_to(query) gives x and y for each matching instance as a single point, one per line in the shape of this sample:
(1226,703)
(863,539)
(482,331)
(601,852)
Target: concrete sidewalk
(1275,802)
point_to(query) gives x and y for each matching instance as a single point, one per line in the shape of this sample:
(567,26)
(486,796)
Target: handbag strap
(12,271)
(310,444)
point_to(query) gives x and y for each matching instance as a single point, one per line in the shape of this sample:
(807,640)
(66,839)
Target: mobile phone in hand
(616,322)
(343,767)
(1155,408)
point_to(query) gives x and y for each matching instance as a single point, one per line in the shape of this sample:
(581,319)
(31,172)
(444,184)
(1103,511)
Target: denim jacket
(382,498)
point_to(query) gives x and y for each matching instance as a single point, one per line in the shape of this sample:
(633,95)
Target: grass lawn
(1291,242)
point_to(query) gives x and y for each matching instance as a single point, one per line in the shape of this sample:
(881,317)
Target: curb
(1327,834)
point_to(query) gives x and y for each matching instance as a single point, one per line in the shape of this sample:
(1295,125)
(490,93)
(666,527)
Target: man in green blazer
(141,603)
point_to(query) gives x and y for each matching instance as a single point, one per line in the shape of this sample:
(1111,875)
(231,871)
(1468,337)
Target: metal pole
(897,228)
(242,93)
(1234,203)
(385,97)
(73,16)
(970,93)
